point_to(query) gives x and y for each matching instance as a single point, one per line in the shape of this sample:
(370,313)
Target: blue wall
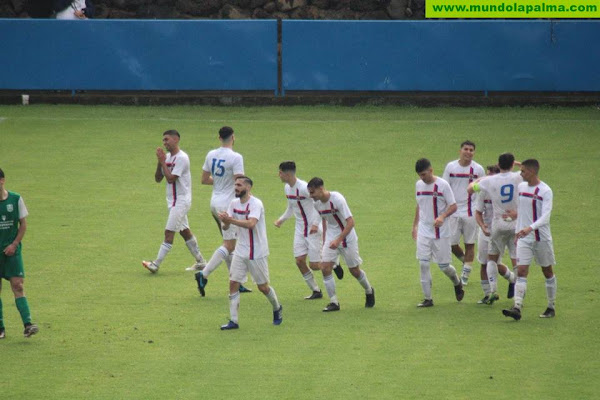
(444,55)
(138,55)
(441,55)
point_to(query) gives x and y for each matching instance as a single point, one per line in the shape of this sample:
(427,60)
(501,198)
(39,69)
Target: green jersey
(11,211)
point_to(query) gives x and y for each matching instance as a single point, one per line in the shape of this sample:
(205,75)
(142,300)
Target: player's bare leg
(485,284)
(550,291)
(361,277)
(326,270)
(16,284)
(468,258)
(192,245)
(164,249)
(309,277)
(493,269)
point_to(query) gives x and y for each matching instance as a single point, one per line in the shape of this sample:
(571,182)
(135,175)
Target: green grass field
(110,330)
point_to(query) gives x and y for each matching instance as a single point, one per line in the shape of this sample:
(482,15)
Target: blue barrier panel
(138,55)
(577,55)
(439,56)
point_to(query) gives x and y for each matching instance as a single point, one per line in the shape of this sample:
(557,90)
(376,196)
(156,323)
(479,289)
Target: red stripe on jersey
(535,217)
(174,194)
(298,197)
(250,233)
(304,219)
(339,221)
(435,210)
(469,203)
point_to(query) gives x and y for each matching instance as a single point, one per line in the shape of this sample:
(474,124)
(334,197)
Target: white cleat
(199,266)
(150,266)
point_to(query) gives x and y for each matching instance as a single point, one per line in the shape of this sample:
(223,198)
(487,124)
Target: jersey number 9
(507,192)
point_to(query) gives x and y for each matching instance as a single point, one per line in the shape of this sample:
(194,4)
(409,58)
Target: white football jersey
(251,243)
(502,190)
(433,200)
(223,164)
(484,206)
(335,212)
(301,206)
(535,207)
(459,178)
(179,191)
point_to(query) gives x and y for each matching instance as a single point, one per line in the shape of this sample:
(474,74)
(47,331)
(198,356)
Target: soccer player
(459,174)
(534,237)
(435,203)
(308,235)
(174,167)
(484,214)
(222,167)
(247,213)
(340,239)
(12,229)
(501,189)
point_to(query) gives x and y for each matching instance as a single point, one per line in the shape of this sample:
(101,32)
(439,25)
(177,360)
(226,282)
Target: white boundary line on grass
(296,121)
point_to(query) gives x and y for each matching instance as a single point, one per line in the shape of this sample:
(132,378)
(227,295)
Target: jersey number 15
(217,167)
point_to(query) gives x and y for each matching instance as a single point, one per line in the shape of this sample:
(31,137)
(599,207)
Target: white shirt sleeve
(238,165)
(446,175)
(342,206)
(256,210)
(182,164)
(479,204)
(22,209)
(448,196)
(206,166)
(287,214)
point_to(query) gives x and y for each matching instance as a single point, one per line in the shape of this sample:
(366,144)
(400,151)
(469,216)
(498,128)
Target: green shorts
(12,266)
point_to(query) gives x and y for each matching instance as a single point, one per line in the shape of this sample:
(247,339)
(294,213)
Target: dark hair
(422,164)
(506,161)
(225,132)
(287,166)
(493,169)
(246,180)
(531,163)
(172,132)
(467,143)
(315,183)
(1,173)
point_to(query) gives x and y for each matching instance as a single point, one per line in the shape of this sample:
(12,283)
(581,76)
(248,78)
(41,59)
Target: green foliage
(109,329)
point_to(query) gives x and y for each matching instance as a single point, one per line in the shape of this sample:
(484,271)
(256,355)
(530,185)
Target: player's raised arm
(158,174)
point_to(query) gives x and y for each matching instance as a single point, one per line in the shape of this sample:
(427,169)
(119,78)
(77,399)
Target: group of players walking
(324,226)
(503,210)
(511,209)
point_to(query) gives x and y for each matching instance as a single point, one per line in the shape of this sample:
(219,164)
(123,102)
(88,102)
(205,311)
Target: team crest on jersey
(9,207)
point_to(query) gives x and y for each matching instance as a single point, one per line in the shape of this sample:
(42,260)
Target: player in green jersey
(12,229)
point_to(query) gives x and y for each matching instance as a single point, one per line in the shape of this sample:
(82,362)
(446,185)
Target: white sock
(551,291)
(309,278)
(520,290)
(234,306)
(466,271)
(272,297)
(364,282)
(425,278)
(330,288)
(192,245)
(162,253)
(450,272)
(509,276)
(492,273)
(228,261)
(485,285)
(217,258)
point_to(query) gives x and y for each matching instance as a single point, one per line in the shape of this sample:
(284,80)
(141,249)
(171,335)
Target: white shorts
(501,240)
(436,250)
(178,220)
(465,226)
(543,252)
(229,234)
(350,254)
(258,268)
(483,243)
(310,245)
